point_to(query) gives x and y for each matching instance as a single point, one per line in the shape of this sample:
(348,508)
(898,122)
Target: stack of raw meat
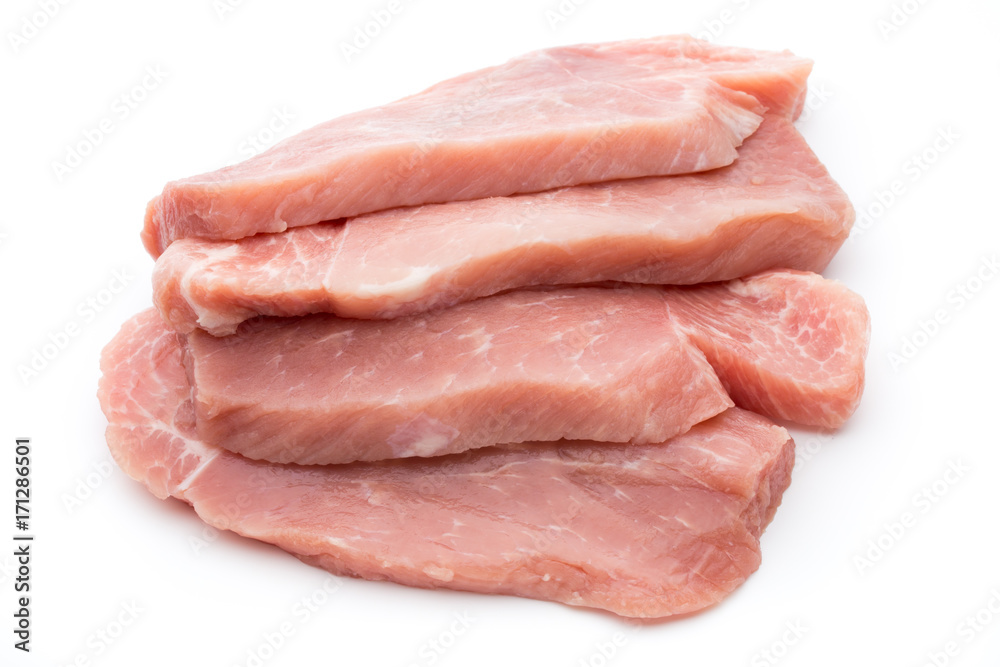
(521,333)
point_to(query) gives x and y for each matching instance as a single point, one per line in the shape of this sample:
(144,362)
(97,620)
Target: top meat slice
(552,118)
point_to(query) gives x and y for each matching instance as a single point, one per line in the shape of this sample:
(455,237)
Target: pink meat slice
(562,116)
(586,363)
(787,344)
(775,207)
(638,530)
(580,363)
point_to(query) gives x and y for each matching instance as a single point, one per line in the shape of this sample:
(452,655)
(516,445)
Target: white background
(882,98)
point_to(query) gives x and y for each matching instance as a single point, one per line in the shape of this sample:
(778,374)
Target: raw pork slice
(562,116)
(594,364)
(639,530)
(786,344)
(583,363)
(774,207)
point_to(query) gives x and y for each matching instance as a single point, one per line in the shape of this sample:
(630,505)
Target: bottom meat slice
(640,530)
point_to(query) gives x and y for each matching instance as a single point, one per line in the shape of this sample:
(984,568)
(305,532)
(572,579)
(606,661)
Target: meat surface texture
(775,207)
(579,363)
(584,363)
(787,344)
(639,530)
(562,116)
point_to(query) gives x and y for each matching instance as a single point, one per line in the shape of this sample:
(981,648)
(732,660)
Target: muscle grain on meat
(786,344)
(594,364)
